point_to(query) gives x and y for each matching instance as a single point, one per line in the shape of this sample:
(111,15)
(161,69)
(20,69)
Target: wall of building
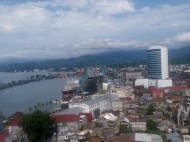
(164,62)
(117,105)
(1,123)
(143,82)
(161,83)
(133,75)
(138,126)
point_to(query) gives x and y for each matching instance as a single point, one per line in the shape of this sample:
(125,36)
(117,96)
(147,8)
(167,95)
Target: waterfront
(20,98)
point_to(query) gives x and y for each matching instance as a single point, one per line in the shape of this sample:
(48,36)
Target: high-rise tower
(157,62)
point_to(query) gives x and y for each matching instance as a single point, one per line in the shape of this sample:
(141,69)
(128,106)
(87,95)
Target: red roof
(3,136)
(177,88)
(157,91)
(15,122)
(66,118)
(88,116)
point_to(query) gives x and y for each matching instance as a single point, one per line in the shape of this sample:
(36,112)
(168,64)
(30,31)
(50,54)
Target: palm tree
(59,103)
(30,109)
(39,104)
(35,107)
(56,102)
(46,105)
(50,103)
(42,105)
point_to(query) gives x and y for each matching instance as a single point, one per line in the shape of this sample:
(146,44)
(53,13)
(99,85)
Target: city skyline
(62,29)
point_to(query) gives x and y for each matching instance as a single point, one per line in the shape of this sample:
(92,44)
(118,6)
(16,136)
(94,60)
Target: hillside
(176,56)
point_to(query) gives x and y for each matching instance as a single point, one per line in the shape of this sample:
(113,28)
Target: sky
(54,29)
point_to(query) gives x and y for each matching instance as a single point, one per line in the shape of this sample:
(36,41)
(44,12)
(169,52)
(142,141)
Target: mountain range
(176,56)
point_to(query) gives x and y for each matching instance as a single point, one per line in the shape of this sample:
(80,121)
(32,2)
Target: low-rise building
(137,123)
(183,114)
(69,126)
(174,137)
(133,75)
(14,130)
(126,92)
(100,102)
(1,123)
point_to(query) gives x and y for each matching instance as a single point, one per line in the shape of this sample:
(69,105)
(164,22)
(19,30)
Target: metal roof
(74,110)
(96,100)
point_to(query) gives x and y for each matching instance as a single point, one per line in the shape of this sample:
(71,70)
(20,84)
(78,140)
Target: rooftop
(16,121)
(74,110)
(95,100)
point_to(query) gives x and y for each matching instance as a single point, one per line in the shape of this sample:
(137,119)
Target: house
(157,101)
(14,130)
(174,137)
(135,137)
(157,93)
(69,126)
(110,119)
(166,125)
(137,123)
(5,137)
(123,92)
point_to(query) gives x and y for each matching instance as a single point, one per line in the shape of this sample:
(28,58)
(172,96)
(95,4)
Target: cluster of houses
(120,105)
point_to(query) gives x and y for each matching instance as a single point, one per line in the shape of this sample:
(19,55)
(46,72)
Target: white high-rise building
(157,62)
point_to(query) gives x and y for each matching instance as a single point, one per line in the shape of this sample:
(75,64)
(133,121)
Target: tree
(37,125)
(168,108)
(39,104)
(50,103)
(42,105)
(151,125)
(150,110)
(124,129)
(64,106)
(46,105)
(56,100)
(96,113)
(35,107)
(30,109)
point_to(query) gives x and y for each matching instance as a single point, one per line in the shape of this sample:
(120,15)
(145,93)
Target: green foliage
(64,106)
(96,113)
(151,125)
(150,110)
(166,115)
(36,125)
(98,125)
(168,108)
(125,129)
(87,137)
(141,109)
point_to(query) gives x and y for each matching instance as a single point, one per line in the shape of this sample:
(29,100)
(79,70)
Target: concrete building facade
(183,114)
(1,123)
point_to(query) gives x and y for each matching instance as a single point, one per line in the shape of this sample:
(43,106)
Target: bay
(20,98)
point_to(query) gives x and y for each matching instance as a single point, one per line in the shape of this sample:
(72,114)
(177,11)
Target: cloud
(183,37)
(56,28)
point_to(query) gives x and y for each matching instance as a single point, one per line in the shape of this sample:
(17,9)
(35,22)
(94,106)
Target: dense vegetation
(38,126)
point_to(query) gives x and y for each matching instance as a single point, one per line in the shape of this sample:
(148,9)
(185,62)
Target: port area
(31,79)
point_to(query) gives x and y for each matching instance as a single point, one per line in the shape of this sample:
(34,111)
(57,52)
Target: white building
(157,83)
(144,137)
(101,103)
(157,62)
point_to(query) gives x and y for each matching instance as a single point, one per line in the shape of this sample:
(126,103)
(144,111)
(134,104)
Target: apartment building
(184,109)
